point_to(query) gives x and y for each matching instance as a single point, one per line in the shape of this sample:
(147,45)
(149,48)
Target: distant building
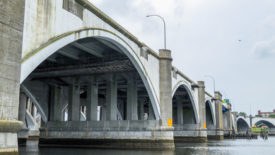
(265,114)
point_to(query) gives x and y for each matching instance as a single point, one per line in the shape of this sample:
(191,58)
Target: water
(225,147)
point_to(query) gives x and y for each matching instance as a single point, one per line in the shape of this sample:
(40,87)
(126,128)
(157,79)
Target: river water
(225,147)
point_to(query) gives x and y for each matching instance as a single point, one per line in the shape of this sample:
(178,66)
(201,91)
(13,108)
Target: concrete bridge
(244,123)
(72,76)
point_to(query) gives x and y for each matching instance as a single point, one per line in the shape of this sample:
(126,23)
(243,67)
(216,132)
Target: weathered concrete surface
(107,134)
(219,117)
(11,32)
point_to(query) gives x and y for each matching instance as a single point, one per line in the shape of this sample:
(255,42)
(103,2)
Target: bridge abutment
(11,34)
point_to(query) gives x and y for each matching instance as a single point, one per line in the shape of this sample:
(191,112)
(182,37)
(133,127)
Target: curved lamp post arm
(164,26)
(214,85)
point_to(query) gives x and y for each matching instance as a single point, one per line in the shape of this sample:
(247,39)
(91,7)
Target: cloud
(265,49)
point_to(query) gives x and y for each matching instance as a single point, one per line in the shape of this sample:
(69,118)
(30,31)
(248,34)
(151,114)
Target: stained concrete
(11,33)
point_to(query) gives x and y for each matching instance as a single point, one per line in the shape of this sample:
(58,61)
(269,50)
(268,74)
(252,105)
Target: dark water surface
(225,147)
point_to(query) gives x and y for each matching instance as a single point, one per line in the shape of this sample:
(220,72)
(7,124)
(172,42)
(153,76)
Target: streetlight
(211,77)
(164,25)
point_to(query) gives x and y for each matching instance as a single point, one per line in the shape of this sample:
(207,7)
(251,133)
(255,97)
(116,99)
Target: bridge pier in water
(217,131)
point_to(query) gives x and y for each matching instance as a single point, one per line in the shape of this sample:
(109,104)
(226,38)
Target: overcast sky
(231,40)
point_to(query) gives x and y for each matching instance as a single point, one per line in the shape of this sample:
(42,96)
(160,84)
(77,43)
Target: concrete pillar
(111,98)
(219,115)
(74,100)
(22,108)
(179,111)
(56,103)
(92,100)
(132,98)
(165,87)
(229,117)
(11,34)
(141,109)
(201,100)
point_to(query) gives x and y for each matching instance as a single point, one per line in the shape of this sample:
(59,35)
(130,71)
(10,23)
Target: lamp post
(164,26)
(211,77)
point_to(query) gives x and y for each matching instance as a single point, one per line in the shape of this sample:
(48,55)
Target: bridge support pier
(74,101)
(218,133)
(11,34)
(228,121)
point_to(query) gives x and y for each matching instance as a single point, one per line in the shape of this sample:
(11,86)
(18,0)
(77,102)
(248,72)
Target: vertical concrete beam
(179,111)
(165,86)
(132,98)
(219,115)
(201,99)
(141,103)
(74,100)
(56,103)
(11,34)
(92,100)
(111,98)
(229,118)
(22,107)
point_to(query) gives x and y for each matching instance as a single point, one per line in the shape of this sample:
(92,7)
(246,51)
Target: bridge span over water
(245,123)
(70,75)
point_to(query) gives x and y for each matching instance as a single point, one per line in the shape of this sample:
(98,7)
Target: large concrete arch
(182,84)
(212,111)
(242,124)
(37,56)
(266,122)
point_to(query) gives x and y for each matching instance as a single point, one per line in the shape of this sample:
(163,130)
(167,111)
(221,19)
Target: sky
(230,40)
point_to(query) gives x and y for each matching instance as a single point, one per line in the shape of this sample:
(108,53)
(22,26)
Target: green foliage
(271,116)
(242,114)
(258,115)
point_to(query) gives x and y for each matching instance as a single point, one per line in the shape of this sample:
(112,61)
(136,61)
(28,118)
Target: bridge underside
(186,127)
(91,94)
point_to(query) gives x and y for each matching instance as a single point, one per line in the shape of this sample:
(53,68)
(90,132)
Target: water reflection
(225,147)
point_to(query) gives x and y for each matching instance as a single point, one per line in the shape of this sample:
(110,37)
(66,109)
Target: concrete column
(179,111)
(92,100)
(201,99)
(111,98)
(22,107)
(132,98)
(141,109)
(219,115)
(165,86)
(74,101)
(229,118)
(11,34)
(151,112)
(56,103)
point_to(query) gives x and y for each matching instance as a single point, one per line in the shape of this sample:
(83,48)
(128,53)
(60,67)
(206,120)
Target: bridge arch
(210,117)
(265,122)
(242,125)
(183,99)
(33,59)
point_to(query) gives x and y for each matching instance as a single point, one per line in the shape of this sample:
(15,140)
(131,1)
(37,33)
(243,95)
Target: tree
(242,114)
(271,116)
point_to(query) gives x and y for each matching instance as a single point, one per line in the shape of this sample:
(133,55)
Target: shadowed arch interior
(209,115)
(183,107)
(264,122)
(242,125)
(90,57)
